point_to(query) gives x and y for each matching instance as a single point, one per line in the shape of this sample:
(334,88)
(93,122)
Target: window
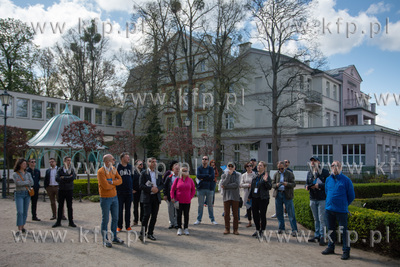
(170,124)
(118,119)
(328,89)
(328,119)
(301,81)
(202,90)
(379,153)
(309,84)
(51,109)
(258,84)
(354,153)
(269,153)
(76,110)
(324,153)
(334,120)
(62,108)
(37,109)
(109,120)
(229,121)
(22,107)
(237,153)
(88,114)
(335,92)
(201,123)
(99,116)
(254,146)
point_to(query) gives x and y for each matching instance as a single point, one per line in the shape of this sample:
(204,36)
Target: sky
(364,33)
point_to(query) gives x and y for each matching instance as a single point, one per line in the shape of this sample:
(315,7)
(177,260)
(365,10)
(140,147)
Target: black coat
(65,181)
(46,181)
(135,180)
(263,187)
(317,193)
(35,173)
(145,196)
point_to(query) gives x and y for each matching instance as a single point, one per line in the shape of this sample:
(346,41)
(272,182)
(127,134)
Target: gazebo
(48,141)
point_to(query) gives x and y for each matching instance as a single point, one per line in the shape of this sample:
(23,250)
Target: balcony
(313,98)
(357,103)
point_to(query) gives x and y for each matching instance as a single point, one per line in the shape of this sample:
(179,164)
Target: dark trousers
(65,195)
(136,202)
(259,207)
(227,214)
(150,208)
(124,200)
(34,201)
(183,209)
(249,214)
(331,218)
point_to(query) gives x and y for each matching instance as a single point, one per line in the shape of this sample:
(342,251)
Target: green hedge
(81,185)
(390,204)
(375,189)
(391,195)
(362,220)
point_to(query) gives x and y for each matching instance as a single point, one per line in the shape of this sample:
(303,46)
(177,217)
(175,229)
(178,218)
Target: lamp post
(5,100)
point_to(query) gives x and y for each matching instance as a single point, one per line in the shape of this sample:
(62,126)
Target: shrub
(375,189)
(95,198)
(363,221)
(391,195)
(390,204)
(81,186)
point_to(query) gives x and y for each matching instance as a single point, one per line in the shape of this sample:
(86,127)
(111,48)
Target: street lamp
(187,122)
(5,100)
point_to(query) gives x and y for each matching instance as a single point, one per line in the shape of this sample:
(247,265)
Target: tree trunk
(88,174)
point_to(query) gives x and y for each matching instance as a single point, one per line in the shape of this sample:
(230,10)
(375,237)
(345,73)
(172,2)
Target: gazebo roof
(50,135)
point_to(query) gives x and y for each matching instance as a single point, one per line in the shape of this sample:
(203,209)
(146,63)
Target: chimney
(244,47)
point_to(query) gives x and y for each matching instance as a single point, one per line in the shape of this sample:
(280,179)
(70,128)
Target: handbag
(31,191)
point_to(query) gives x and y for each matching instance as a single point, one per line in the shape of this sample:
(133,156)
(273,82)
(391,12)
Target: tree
(17,55)
(178,143)
(206,144)
(84,71)
(152,140)
(16,145)
(48,77)
(83,135)
(125,141)
(275,22)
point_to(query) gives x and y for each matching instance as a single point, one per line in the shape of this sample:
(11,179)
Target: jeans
(183,208)
(172,214)
(22,200)
(208,195)
(109,204)
(124,200)
(279,201)
(260,207)
(227,214)
(318,211)
(331,218)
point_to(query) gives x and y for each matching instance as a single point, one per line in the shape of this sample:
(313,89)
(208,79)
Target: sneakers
(313,240)
(322,242)
(129,229)
(328,251)
(186,231)
(118,230)
(107,244)
(273,216)
(179,231)
(285,215)
(346,255)
(197,222)
(118,240)
(294,233)
(214,222)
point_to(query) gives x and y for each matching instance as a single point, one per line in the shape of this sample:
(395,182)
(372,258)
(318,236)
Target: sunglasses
(184,171)
(205,159)
(333,165)
(281,169)
(33,161)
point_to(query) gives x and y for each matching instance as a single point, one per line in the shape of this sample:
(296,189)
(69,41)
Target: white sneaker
(273,216)
(214,222)
(186,231)
(197,222)
(285,215)
(179,231)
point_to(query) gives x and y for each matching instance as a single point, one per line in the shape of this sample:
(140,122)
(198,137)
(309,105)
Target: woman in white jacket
(245,183)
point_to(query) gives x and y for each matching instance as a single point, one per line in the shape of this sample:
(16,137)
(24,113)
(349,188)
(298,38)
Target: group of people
(120,185)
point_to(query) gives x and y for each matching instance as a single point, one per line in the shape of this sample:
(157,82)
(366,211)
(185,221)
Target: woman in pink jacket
(183,191)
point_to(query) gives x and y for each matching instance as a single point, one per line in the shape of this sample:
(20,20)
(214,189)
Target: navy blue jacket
(206,177)
(126,174)
(35,173)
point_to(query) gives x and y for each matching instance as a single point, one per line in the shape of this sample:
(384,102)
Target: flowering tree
(177,143)
(206,144)
(125,141)
(16,145)
(83,135)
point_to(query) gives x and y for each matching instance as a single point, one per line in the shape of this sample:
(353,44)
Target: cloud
(369,71)
(389,38)
(378,8)
(116,5)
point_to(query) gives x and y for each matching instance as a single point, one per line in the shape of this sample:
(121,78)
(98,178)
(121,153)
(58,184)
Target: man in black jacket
(150,184)
(35,173)
(136,192)
(65,178)
(315,183)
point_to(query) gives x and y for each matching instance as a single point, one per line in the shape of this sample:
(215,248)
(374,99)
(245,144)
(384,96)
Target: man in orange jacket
(108,179)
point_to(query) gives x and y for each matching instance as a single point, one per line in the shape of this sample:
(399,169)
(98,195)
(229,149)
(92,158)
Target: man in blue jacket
(205,177)
(339,195)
